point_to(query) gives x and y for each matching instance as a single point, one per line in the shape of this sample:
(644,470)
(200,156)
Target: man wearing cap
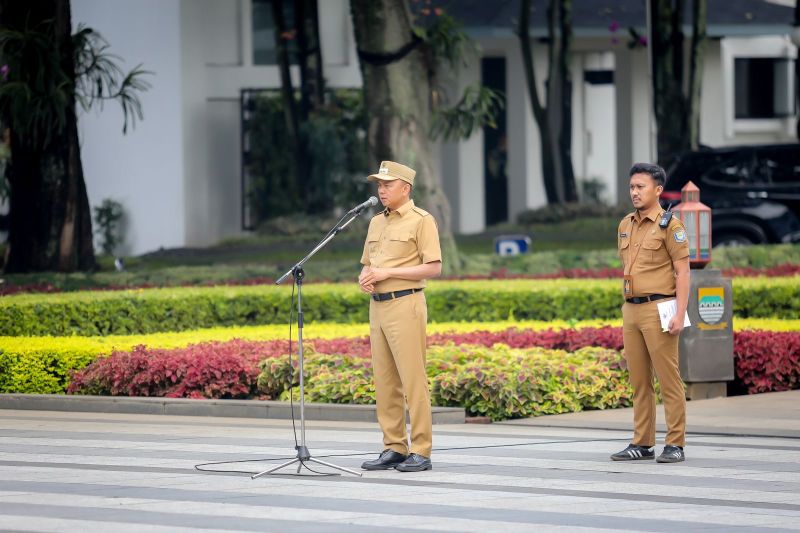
(654,251)
(401,251)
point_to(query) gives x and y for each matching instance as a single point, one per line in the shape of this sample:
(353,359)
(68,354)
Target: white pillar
(633,115)
(462,166)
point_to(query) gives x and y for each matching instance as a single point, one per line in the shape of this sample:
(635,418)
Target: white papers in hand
(667,310)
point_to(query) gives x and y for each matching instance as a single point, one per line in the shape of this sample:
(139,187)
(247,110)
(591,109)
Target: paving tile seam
(643,474)
(177,519)
(475,515)
(44,486)
(674,473)
(545,439)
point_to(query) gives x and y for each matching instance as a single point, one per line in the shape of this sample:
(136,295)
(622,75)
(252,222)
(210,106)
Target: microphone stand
(297,272)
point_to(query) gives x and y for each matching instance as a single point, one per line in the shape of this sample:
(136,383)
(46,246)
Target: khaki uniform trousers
(647,348)
(398,341)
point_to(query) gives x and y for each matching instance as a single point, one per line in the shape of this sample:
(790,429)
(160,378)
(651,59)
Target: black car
(753,191)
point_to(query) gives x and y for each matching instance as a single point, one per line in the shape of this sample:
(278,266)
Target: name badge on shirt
(627,286)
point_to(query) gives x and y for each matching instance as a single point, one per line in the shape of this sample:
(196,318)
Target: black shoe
(387,460)
(634,453)
(415,463)
(671,454)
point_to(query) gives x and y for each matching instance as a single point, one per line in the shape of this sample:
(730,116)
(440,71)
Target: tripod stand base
(304,456)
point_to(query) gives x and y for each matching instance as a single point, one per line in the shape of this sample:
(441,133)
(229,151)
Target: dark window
(495,147)
(761,87)
(780,166)
(692,166)
(736,171)
(264,52)
(598,77)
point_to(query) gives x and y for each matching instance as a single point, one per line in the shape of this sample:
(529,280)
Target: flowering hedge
(765,361)
(499,382)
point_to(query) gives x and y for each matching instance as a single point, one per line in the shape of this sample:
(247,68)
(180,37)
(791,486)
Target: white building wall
(178,172)
(143,169)
(718,125)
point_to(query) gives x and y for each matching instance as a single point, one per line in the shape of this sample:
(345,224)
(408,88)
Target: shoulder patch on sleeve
(679,235)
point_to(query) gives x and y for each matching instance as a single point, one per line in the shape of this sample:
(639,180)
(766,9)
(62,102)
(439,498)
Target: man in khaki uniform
(655,257)
(400,253)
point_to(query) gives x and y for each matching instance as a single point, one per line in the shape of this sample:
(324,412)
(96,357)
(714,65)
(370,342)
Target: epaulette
(420,211)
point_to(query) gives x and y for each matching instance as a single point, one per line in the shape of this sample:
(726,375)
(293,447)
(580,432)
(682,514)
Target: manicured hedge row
(499,382)
(765,360)
(158,310)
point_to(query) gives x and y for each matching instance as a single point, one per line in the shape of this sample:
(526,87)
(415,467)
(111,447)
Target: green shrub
(181,309)
(556,213)
(498,382)
(42,372)
(763,256)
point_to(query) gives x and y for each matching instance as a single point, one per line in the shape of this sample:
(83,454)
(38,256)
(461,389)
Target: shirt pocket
(400,244)
(653,250)
(373,243)
(622,249)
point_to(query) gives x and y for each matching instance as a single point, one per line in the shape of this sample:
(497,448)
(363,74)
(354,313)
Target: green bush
(764,256)
(556,213)
(43,372)
(498,382)
(180,309)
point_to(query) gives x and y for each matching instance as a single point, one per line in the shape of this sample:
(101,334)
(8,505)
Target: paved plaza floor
(73,471)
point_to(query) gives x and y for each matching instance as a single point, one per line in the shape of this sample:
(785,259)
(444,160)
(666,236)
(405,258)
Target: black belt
(645,299)
(383,296)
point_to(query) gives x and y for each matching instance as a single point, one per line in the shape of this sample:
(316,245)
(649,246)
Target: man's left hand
(374,275)
(676,325)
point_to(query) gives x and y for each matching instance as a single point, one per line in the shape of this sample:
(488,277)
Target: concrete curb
(220,408)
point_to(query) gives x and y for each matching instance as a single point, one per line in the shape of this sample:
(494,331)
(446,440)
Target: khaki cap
(394,171)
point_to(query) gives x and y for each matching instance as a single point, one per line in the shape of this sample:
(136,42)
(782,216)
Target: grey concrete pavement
(73,471)
(774,414)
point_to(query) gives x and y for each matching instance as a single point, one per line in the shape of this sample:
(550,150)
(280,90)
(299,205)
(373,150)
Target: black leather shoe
(415,463)
(387,460)
(671,454)
(634,453)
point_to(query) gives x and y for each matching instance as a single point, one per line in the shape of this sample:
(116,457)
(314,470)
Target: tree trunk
(699,19)
(565,77)
(290,111)
(50,221)
(397,97)
(554,117)
(317,80)
(677,113)
(309,57)
(539,111)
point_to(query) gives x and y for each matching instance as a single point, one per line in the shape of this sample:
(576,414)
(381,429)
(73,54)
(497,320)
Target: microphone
(360,207)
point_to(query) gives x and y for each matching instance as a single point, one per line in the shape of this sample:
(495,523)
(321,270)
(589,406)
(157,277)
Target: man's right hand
(367,288)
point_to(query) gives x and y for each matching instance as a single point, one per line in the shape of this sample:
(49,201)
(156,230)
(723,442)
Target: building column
(461,166)
(634,115)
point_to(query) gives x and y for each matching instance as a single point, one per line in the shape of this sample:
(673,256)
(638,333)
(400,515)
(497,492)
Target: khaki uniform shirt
(405,237)
(647,251)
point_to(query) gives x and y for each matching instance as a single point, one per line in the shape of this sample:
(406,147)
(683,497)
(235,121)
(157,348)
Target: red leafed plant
(207,370)
(563,339)
(767,361)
